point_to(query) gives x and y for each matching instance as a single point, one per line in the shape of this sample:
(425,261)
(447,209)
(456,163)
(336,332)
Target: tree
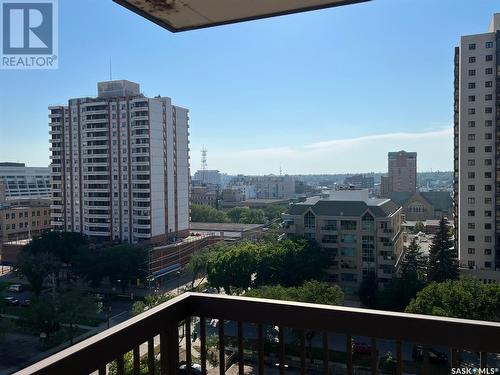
(464,298)
(246,215)
(413,263)
(198,264)
(124,264)
(443,260)
(310,291)
(37,267)
(149,302)
(419,227)
(207,214)
(368,290)
(63,245)
(74,305)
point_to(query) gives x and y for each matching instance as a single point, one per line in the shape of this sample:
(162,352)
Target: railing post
(120,365)
(374,356)
(348,351)
(260,344)
(241,368)
(303,352)
(425,369)
(281,342)
(137,361)
(399,357)
(169,350)
(325,353)
(151,356)
(483,359)
(222,351)
(187,337)
(203,344)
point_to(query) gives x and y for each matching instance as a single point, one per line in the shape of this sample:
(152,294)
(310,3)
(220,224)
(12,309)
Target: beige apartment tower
(476,150)
(120,166)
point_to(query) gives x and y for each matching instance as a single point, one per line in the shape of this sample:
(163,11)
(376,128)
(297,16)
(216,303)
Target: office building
(362,234)
(360,181)
(208,176)
(24,218)
(265,187)
(476,145)
(120,165)
(402,172)
(24,182)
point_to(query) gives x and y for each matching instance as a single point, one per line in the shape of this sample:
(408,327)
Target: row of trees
(242,215)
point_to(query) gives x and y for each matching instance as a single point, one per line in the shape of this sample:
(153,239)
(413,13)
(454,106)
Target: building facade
(208,176)
(202,195)
(402,169)
(24,182)
(477,160)
(23,219)
(421,206)
(360,181)
(265,187)
(362,234)
(120,165)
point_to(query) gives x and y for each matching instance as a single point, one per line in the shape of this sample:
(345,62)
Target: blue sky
(328,91)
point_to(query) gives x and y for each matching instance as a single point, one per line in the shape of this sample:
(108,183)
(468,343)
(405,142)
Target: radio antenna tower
(203,162)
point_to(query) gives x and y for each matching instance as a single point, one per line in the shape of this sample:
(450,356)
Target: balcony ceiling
(182,15)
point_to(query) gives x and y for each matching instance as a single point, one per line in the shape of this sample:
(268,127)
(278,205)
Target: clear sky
(328,91)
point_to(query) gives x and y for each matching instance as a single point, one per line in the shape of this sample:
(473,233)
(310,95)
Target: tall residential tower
(120,165)
(477,152)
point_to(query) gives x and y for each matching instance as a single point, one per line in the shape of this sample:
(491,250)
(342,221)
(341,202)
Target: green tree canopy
(464,298)
(419,227)
(37,267)
(443,259)
(368,290)
(310,291)
(246,215)
(63,245)
(207,214)
(413,263)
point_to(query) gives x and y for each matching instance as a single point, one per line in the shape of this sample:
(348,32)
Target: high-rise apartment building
(402,168)
(120,165)
(24,182)
(476,145)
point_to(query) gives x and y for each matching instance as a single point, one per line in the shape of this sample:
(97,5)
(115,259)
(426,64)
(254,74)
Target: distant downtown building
(265,187)
(24,182)
(477,163)
(120,165)
(362,235)
(402,173)
(208,176)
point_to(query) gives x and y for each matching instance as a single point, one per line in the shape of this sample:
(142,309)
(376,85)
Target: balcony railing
(138,334)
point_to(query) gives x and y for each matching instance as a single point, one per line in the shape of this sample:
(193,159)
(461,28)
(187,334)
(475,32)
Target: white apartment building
(120,165)
(477,163)
(24,182)
(266,187)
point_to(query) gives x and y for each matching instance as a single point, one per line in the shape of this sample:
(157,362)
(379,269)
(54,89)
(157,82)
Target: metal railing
(93,354)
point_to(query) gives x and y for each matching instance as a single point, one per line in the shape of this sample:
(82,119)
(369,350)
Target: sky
(329,91)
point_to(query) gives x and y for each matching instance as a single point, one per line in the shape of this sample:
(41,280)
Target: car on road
(11,301)
(435,356)
(195,369)
(17,288)
(361,348)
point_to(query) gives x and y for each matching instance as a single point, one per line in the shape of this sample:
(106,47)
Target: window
(488,97)
(487,264)
(487,238)
(472,72)
(488,84)
(487,161)
(472,85)
(471,238)
(471,213)
(471,174)
(487,174)
(471,162)
(309,220)
(489,45)
(472,98)
(472,46)
(488,136)
(471,250)
(471,150)
(472,59)
(471,263)
(487,200)
(487,225)
(488,123)
(471,187)
(487,213)
(471,225)
(471,111)
(471,200)
(487,148)
(488,110)
(487,251)
(471,137)
(488,71)
(489,57)
(487,187)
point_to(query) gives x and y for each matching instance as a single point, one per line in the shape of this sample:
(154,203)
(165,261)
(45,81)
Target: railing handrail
(88,355)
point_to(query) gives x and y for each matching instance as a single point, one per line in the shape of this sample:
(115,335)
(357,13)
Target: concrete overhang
(183,15)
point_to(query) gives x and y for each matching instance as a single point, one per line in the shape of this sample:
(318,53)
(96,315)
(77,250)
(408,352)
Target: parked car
(435,356)
(26,303)
(17,288)
(195,369)
(361,348)
(11,301)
